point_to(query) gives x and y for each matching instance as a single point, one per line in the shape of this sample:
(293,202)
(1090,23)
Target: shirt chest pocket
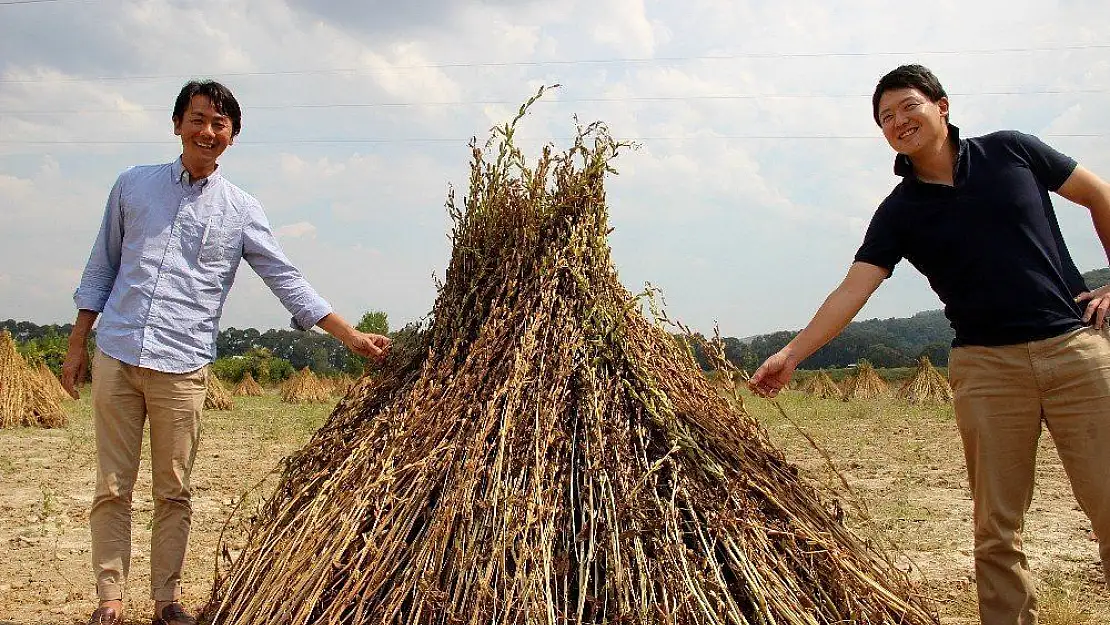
(220,241)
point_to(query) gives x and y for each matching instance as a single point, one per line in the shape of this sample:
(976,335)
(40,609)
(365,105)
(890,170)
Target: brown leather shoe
(105,616)
(174,614)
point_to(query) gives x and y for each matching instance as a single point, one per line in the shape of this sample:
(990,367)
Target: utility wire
(463,141)
(146,108)
(572,62)
(11,2)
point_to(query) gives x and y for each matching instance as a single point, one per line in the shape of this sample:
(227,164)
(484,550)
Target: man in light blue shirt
(159,273)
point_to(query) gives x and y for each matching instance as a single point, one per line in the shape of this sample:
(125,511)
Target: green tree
(937,353)
(374,322)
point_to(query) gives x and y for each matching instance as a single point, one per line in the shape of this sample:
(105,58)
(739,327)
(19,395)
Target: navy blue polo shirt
(990,244)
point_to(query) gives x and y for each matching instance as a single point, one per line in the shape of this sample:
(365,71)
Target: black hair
(220,96)
(907,77)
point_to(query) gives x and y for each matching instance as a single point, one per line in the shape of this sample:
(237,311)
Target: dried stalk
(864,383)
(248,387)
(540,452)
(927,385)
(25,398)
(216,396)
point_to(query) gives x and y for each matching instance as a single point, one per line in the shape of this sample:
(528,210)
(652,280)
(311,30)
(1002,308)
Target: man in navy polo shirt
(974,216)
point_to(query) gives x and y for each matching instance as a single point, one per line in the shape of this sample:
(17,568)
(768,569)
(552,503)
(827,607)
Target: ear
(176,125)
(942,104)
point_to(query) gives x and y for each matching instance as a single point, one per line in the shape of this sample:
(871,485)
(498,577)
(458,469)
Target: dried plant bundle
(864,383)
(541,452)
(341,385)
(305,387)
(821,386)
(51,381)
(928,385)
(217,397)
(25,398)
(248,387)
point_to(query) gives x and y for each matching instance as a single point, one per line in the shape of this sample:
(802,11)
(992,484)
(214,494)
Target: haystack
(864,383)
(927,385)
(340,385)
(25,399)
(821,386)
(51,382)
(540,452)
(217,397)
(248,387)
(304,387)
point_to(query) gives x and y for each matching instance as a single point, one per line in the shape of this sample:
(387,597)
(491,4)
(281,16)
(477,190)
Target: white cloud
(750,231)
(623,25)
(296,231)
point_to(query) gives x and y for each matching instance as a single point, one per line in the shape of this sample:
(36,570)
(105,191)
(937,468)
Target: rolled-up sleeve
(262,252)
(104,260)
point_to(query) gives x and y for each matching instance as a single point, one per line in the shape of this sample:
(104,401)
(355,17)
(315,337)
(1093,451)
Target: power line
(598,100)
(14,2)
(463,141)
(571,62)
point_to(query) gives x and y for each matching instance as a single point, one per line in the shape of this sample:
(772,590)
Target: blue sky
(758,170)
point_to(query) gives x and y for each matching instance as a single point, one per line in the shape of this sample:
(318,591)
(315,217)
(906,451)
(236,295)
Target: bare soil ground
(905,464)
(46,484)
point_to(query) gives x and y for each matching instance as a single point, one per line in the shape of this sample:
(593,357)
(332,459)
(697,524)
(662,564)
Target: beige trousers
(1002,395)
(123,397)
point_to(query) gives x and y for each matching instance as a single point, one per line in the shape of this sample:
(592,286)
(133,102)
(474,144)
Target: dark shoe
(174,614)
(105,616)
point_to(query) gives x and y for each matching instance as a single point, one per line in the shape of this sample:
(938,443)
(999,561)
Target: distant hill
(1097,278)
(894,342)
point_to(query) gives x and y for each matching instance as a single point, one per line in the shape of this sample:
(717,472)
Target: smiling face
(911,122)
(205,134)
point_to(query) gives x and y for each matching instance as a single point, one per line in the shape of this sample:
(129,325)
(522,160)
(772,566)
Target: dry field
(46,484)
(904,463)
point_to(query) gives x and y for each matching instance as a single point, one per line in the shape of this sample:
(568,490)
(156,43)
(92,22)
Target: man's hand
(74,369)
(372,346)
(1097,302)
(839,308)
(773,375)
(76,365)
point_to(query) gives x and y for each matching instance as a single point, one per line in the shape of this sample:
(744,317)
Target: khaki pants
(123,397)
(1002,396)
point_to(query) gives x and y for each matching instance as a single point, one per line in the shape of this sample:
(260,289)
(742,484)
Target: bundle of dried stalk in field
(927,385)
(340,385)
(51,382)
(821,386)
(248,387)
(217,397)
(304,387)
(864,383)
(25,399)
(540,452)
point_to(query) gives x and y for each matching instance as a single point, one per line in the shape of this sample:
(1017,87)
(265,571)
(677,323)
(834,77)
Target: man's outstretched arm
(838,310)
(262,251)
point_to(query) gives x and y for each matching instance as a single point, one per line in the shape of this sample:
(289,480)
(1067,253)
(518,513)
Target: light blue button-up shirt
(164,261)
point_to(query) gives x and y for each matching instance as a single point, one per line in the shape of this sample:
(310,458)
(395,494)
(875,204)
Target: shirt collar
(181,175)
(904,167)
